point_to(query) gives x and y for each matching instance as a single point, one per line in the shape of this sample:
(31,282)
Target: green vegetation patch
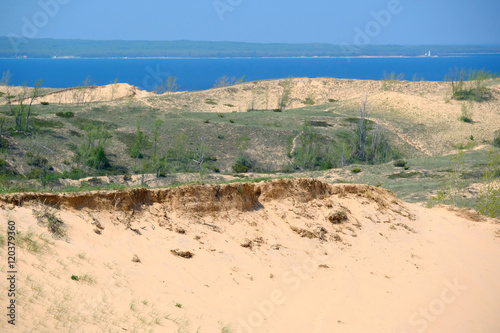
(65,114)
(81,123)
(48,123)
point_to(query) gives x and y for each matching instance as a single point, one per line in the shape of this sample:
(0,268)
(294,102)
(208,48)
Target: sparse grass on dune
(414,116)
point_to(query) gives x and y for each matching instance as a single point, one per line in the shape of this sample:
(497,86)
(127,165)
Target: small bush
(276,110)
(210,101)
(308,101)
(44,103)
(331,100)
(206,121)
(37,160)
(65,114)
(406,167)
(75,278)
(400,163)
(496,139)
(127,178)
(231,121)
(239,168)
(220,136)
(220,115)
(35,173)
(356,170)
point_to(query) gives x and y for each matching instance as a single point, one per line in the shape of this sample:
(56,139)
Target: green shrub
(400,163)
(44,103)
(206,121)
(406,167)
(496,139)
(35,173)
(65,114)
(231,121)
(74,173)
(36,160)
(489,198)
(331,100)
(210,101)
(239,168)
(356,170)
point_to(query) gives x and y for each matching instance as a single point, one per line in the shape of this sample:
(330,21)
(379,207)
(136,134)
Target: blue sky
(402,22)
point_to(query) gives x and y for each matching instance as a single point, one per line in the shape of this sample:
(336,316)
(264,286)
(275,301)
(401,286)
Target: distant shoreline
(269,57)
(62,48)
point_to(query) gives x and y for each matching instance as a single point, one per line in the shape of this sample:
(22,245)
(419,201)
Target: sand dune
(283,256)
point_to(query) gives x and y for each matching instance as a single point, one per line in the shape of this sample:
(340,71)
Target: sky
(399,22)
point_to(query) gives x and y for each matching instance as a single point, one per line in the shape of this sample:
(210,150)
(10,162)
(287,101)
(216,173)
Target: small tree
(158,163)
(284,99)
(141,142)
(91,151)
(362,130)
(169,85)
(308,150)
(34,95)
(18,109)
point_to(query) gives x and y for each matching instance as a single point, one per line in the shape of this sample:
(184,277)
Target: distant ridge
(47,48)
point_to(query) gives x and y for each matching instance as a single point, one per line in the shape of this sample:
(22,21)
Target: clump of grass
(308,101)
(179,305)
(356,170)
(489,198)
(27,241)
(65,114)
(226,329)
(48,217)
(87,278)
(44,103)
(210,101)
(466,116)
(206,121)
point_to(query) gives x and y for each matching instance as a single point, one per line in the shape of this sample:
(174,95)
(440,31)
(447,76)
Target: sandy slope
(388,267)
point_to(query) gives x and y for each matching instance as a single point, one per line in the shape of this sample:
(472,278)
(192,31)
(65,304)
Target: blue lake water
(199,74)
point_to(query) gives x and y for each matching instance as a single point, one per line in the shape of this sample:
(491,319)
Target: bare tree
(225,81)
(362,129)
(170,85)
(34,95)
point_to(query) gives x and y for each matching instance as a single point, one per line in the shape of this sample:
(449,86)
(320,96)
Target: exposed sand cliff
(282,256)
